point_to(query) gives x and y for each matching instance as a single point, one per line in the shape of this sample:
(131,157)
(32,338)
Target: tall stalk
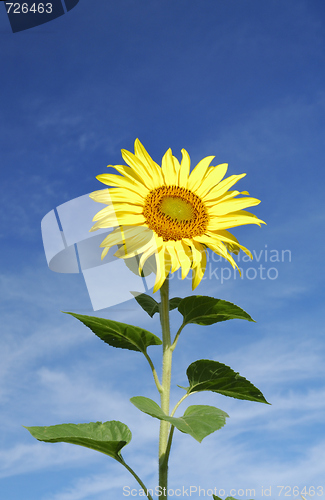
(165,386)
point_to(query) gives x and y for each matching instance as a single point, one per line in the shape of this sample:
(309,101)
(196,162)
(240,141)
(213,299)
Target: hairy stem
(171,432)
(165,392)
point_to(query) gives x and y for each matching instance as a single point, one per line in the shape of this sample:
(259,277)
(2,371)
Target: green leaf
(119,334)
(151,306)
(204,310)
(174,303)
(199,421)
(148,303)
(207,375)
(108,437)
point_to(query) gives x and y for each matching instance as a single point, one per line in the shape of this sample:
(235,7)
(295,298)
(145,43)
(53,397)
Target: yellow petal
(169,169)
(184,257)
(198,271)
(114,220)
(213,177)
(126,196)
(177,169)
(234,219)
(226,196)
(157,244)
(198,173)
(196,249)
(162,269)
(220,249)
(225,237)
(139,168)
(151,165)
(184,171)
(227,207)
(108,196)
(101,196)
(120,181)
(133,247)
(170,247)
(222,187)
(118,208)
(119,235)
(128,172)
(104,253)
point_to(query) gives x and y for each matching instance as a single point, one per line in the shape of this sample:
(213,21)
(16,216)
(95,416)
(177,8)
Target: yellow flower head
(171,213)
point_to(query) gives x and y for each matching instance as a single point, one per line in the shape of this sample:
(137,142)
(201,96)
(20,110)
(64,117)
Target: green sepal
(207,375)
(119,334)
(204,310)
(198,420)
(151,306)
(108,437)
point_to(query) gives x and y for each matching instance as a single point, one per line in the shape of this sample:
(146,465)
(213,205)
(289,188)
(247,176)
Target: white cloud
(26,458)
(92,487)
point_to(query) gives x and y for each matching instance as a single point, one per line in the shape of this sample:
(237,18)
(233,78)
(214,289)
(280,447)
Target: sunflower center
(175,213)
(176,208)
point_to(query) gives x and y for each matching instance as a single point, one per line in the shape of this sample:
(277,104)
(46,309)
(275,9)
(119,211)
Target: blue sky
(241,80)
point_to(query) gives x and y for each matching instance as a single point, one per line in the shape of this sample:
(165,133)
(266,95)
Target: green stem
(171,432)
(177,336)
(165,392)
(177,404)
(169,443)
(155,376)
(145,489)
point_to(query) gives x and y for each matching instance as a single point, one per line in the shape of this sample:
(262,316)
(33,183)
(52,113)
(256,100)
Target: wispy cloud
(26,458)
(94,486)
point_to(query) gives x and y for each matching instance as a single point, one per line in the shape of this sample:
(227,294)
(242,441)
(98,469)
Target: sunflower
(171,213)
